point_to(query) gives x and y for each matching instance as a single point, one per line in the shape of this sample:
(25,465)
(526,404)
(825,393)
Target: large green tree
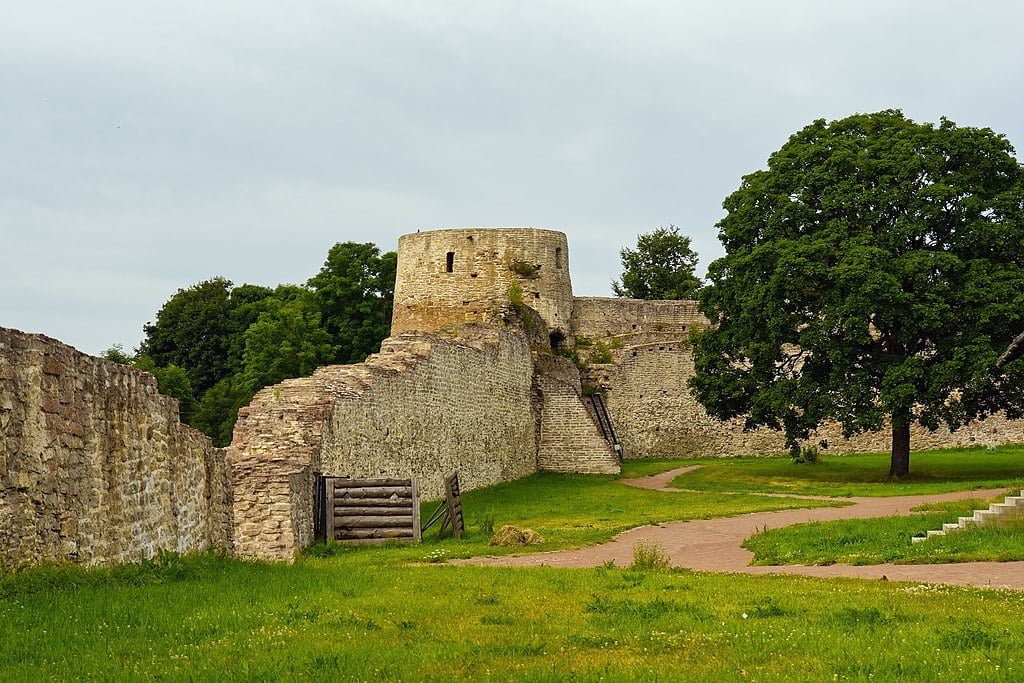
(355,291)
(661,267)
(193,331)
(286,341)
(873,274)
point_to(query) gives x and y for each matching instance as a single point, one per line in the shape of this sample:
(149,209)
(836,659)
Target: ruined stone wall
(429,296)
(656,416)
(95,467)
(425,405)
(597,317)
(434,405)
(570,440)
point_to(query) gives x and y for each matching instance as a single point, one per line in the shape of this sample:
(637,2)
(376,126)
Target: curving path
(716,544)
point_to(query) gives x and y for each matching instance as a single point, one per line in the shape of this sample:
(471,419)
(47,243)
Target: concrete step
(1011,507)
(983,516)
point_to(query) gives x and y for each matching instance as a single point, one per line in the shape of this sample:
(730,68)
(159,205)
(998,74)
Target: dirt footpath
(716,544)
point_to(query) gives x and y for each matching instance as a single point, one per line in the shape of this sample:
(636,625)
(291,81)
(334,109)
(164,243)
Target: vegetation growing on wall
(515,298)
(524,269)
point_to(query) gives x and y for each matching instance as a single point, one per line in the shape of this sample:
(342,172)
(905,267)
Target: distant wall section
(463,275)
(598,317)
(95,467)
(657,416)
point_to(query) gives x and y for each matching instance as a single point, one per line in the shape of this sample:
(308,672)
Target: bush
(601,353)
(808,455)
(648,556)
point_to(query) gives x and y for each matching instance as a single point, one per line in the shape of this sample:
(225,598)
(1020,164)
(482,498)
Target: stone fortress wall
(95,467)
(467,382)
(656,416)
(422,407)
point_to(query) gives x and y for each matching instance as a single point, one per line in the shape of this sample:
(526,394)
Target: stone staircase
(1012,507)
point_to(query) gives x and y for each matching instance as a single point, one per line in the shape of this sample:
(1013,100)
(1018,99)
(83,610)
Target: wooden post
(417,533)
(328,488)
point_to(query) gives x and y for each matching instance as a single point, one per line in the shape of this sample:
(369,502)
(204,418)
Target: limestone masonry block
(82,478)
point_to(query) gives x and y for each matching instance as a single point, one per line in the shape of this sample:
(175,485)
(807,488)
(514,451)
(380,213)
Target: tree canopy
(192,330)
(354,292)
(874,272)
(214,345)
(661,267)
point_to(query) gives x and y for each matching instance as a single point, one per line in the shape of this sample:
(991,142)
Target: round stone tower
(448,276)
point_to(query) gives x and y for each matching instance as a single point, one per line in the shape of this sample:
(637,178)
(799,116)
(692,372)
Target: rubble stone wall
(434,405)
(656,416)
(95,466)
(424,406)
(597,317)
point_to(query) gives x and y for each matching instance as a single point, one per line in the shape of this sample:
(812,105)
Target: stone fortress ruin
(490,370)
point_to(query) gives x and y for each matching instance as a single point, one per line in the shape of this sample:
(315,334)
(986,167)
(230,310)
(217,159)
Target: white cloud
(150,145)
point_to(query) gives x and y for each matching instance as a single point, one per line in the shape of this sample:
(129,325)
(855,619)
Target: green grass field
(861,475)
(887,539)
(359,616)
(388,614)
(571,511)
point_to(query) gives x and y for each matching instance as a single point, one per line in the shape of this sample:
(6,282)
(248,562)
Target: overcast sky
(146,146)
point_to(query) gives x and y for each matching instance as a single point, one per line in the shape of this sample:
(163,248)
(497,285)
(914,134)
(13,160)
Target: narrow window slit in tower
(558,257)
(449,265)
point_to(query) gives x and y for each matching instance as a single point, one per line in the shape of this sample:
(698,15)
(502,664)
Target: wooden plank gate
(367,510)
(450,509)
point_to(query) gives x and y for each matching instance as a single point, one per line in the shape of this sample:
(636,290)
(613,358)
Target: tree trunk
(899,465)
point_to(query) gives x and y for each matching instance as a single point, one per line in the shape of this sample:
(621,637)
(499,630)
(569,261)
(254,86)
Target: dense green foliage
(354,292)
(874,271)
(937,471)
(367,614)
(214,345)
(887,539)
(661,267)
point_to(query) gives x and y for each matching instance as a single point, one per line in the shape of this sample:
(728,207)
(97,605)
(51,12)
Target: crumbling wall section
(425,405)
(655,414)
(95,466)
(437,404)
